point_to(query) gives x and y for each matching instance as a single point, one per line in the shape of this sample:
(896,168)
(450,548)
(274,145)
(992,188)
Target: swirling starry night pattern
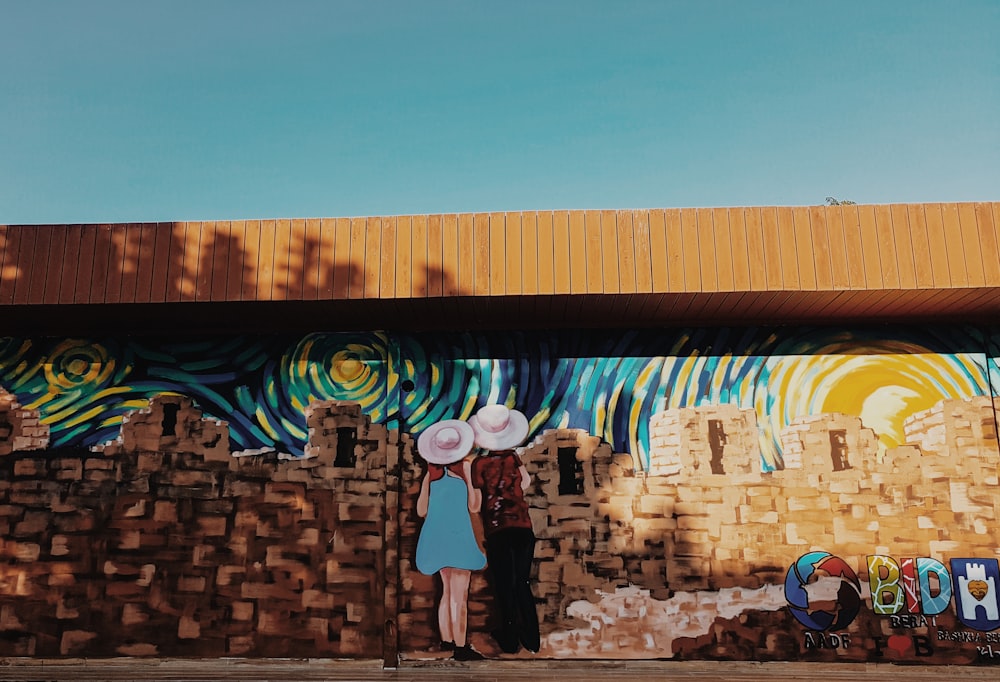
(608,383)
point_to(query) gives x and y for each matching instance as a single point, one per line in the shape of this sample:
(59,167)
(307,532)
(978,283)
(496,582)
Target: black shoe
(507,642)
(447,646)
(467,653)
(531,644)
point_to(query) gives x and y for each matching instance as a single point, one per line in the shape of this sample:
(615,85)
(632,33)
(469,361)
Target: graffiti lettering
(911,591)
(922,645)
(959,636)
(935,587)
(977,601)
(901,645)
(921,585)
(884,580)
(827,640)
(909,621)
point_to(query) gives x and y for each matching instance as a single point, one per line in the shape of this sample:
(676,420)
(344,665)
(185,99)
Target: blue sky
(180,110)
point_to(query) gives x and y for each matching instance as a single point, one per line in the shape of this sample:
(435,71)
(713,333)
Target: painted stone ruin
(164,543)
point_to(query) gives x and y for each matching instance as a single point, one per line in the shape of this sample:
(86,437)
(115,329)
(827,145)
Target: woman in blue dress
(447,544)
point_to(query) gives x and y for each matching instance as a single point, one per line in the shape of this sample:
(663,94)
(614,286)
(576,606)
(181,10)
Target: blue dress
(446,538)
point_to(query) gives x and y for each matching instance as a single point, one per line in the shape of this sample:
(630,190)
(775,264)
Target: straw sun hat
(445,442)
(498,428)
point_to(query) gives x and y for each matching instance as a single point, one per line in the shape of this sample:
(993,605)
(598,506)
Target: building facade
(754,434)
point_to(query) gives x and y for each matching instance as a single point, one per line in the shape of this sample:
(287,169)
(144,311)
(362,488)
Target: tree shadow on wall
(90,271)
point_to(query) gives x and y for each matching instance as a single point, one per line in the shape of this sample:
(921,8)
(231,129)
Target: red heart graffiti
(899,643)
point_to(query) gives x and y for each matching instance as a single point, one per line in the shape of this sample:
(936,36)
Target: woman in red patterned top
(501,479)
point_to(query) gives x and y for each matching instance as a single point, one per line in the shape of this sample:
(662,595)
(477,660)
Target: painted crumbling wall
(711,439)
(935,495)
(727,540)
(690,528)
(157,545)
(823,443)
(20,428)
(590,533)
(171,423)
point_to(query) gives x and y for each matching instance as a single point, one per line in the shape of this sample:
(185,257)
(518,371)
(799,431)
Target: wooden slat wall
(658,263)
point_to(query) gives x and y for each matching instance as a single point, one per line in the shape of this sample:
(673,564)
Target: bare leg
(459,604)
(458,607)
(444,608)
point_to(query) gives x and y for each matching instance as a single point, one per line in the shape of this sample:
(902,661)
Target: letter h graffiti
(976,599)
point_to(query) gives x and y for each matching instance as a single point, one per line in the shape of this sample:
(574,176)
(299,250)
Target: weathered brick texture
(20,428)
(934,495)
(157,545)
(719,439)
(693,524)
(594,532)
(172,423)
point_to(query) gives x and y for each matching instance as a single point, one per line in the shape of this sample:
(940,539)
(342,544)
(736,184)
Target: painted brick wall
(158,546)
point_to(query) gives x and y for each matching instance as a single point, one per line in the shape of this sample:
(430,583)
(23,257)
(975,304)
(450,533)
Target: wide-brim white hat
(446,441)
(499,428)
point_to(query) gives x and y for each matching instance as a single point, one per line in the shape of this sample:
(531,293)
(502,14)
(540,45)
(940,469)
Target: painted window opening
(169,423)
(347,440)
(570,472)
(717,443)
(838,449)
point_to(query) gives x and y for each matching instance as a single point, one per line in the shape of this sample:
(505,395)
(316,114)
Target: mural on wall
(260,385)
(609,385)
(745,494)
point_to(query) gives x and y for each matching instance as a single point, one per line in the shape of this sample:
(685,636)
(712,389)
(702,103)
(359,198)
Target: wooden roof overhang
(531,269)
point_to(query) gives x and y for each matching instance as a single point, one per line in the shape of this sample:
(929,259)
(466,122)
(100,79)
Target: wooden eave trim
(652,266)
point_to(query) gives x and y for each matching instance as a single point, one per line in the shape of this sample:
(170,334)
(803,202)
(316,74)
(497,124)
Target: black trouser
(510,553)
